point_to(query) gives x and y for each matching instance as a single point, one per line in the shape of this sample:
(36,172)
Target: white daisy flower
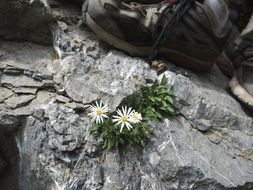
(135,117)
(98,112)
(123,118)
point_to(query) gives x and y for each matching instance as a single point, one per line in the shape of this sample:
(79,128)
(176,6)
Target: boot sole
(145,51)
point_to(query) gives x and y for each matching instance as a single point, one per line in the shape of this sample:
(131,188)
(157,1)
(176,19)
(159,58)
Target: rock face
(25,20)
(44,92)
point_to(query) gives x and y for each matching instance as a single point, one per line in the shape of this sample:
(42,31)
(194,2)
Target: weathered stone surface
(42,98)
(30,21)
(18,101)
(20,81)
(10,120)
(28,156)
(62,99)
(5,93)
(23,90)
(204,101)
(116,75)
(18,57)
(12,71)
(178,157)
(3,66)
(200,99)
(76,106)
(183,157)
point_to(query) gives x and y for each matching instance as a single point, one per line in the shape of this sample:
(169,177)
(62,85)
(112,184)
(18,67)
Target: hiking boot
(242,87)
(225,65)
(241,84)
(190,33)
(240,12)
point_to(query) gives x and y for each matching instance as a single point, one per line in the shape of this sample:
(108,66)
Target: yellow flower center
(135,117)
(124,119)
(99,112)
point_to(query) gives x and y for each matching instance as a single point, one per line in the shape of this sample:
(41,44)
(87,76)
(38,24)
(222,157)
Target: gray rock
(76,106)
(10,120)
(25,90)
(20,81)
(18,58)
(31,20)
(18,101)
(204,101)
(117,75)
(2,66)
(5,93)
(28,144)
(183,157)
(62,99)
(42,97)
(13,71)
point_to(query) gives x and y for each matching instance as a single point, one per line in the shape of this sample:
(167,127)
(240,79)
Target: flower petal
(96,104)
(121,127)
(129,111)
(115,120)
(118,123)
(103,115)
(119,112)
(129,127)
(118,117)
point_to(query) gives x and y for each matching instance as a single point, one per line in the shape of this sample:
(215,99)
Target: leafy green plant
(128,124)
(157,101)
(153,102)
(113,139)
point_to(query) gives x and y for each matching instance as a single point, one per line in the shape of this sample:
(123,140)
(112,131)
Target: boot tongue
(170,16)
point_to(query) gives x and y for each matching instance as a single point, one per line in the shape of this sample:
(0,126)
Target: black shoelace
(182,6)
